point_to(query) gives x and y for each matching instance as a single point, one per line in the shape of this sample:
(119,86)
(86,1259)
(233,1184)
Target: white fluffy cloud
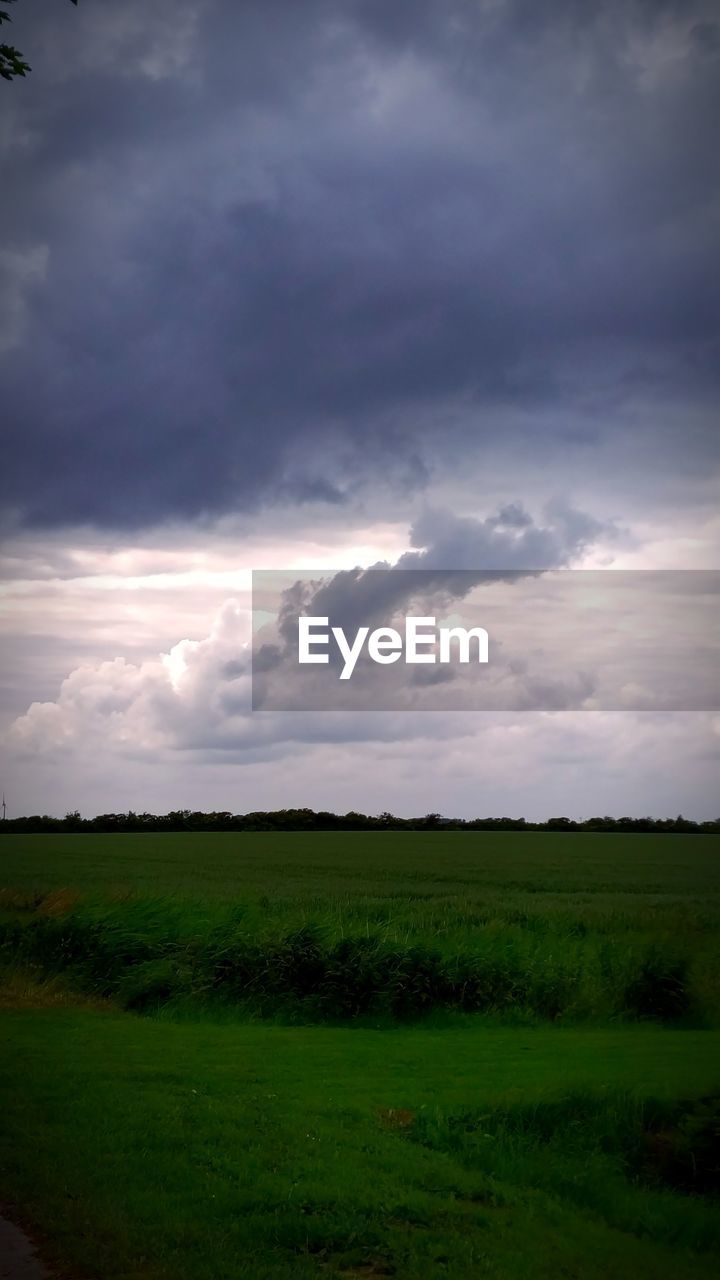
(192,694)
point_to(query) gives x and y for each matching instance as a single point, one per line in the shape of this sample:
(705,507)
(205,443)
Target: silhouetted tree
(12,63)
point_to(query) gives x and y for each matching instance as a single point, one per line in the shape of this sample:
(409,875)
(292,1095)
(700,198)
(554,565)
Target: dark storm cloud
(288,245)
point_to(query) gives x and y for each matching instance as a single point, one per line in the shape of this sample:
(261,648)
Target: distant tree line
(309,820)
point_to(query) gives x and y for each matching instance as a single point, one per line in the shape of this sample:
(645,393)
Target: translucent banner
(439,640)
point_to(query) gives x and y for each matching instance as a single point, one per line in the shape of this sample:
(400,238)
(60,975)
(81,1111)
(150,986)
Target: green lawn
(198,1152)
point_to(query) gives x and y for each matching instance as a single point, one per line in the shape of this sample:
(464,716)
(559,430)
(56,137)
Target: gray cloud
(582,639)
(288,248)
(454,554)
(575,639)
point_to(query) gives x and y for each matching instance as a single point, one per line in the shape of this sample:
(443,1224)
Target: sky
(337,284)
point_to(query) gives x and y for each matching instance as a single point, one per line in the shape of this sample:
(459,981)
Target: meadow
(386,1053)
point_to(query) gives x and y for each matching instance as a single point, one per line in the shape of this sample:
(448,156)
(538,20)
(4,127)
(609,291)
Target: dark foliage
(12,63)
(662,1143)
(309,820)
(683,1150)
(660,990)
(308,973)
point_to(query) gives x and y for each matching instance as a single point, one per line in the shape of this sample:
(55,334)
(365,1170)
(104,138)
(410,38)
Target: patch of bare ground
(18,1256)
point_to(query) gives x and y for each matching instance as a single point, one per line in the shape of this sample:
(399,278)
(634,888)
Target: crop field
(418,1054)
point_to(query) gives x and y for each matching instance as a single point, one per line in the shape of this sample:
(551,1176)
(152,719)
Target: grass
(397,924)
(196,1151)
(436,868)
(160,953)
(314,1092)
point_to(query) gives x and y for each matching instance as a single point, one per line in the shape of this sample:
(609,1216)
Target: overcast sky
(333,283)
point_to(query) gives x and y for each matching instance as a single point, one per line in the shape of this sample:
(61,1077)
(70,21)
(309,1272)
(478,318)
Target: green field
(402,864)
(411,1054)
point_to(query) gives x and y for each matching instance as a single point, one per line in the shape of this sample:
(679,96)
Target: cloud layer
(283,252)
(279,281)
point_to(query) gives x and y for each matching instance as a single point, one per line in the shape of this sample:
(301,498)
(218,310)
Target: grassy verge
(202,1152)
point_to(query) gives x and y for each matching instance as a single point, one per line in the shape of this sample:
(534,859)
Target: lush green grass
(198,1152)
(149,954)
(205,1143)
(376,924)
